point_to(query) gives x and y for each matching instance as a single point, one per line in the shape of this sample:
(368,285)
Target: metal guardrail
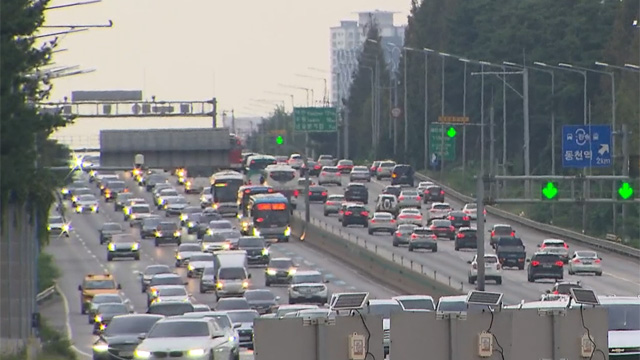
(45,294)
(554,230)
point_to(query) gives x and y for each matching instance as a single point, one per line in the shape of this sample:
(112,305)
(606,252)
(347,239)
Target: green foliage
(48,272)
(55,344)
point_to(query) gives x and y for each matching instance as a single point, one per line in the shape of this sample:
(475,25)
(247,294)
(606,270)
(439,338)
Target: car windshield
(172,292)
(168,226)
(335,198)
(226,235)
(113,309)
(587,254)
(403,228)
(112,227)
(124,197)
(345,162)
(158,269)
(383,216)
(207,218)
(502,230)
(140,209)
(546,258)
(243,316)
(87,197)
(232,304)
(409,193)
(310,278)
(422,232)
(441,223)
(172,329)
(360,169)
(209,270)
(471,206)
(116,185)
(178,200)
(330,169)
(387,164)
(510,242)
(566,288)
(168,192)
(168,280)
(130,325)
(418,304)
(411,212)
(201,257)
(441,207)
(232,273)
(383,310)
(106,298)
(189,247)
(55,220)
(490,259)
(171,309)
(99,284)
(554,244)
(220,224)
(123,239)
(259,295)
(282,175)
(281,264)
(623,317)
(251,242)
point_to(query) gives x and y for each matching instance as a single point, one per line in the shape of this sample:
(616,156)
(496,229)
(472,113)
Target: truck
(511,252)
(230,258)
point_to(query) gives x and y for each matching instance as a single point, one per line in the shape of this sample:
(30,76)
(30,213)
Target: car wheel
(344,223)
(370,232)
(599,273)
(82,310)
(457,248)
(570,272)
(156,243)
(435,249)
(499,281)
(471,280)
(530,279)
(137,257)
(395,244)
(202,290)
(410,249)
(109,258)
(267,284)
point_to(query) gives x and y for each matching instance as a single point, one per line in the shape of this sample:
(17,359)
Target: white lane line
(620,278)
(65,303)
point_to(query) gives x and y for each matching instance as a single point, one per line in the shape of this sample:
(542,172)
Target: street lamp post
(464,113)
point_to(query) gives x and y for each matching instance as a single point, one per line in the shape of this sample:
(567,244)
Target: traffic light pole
(625,172)
(480,232)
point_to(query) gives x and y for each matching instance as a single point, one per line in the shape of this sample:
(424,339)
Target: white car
(410,199)
(439,210)
(585,261)
(360,173)
(410,216)
(382,221)
(308,287)
(170,293)
(330,175)
(57,226)
(471,209)
(326,160)
(185,251)
(163,195)
(206,199)
(416,302)
(557,247)
(295,161)
(87,203)
(423,185)
(193,339)
(492,269)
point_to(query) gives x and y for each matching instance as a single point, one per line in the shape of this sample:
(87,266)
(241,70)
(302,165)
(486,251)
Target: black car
(402,174)
(355,215)
(443,229)
(167,232)
(108,230)
(466,238)
(433,193)
(459,219)
(120,339)
(207,280)
(545,266)
(318,193)
(151,181)
(261,300)
(511,252)
(106,312)
(192,222)
(122,200)
(113,188)
(279,271)
(186,212)
(203,222)
(356,192)
(394,190)
(123,245)
(256,248)
(313,166)
(170,308)
(148,226)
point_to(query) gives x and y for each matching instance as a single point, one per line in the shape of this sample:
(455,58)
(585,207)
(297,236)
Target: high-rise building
(346,44)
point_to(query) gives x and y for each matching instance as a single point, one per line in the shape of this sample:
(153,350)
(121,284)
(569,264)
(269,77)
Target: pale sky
(197,49)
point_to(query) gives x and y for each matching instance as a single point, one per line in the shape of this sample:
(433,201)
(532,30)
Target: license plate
(546,265)
(587,262)
(309,296)
(487,265)
(126,353)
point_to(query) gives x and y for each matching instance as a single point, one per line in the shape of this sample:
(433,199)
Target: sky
(237,51)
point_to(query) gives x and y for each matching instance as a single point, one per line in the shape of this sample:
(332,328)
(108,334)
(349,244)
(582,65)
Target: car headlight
(158,233)
(178,257)
(141,354)
(65,227)
(271,271)
(292,271)
(265,251)
(133,216)
(98,318)
(226,246)
(190,267)
(232,339)
(191,224)
(209,232)
(74,198)
(245,284)
(64,191)
(195,352)
(215,206)
(111,247)
(256,232)
(219,285)
(78,208)
(94,208)
(287,231)
(135,246)
(176,234)
(102,347)
(183,217)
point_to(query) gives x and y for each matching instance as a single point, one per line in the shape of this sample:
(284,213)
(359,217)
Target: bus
(224,191)
(283,179)
(270,217)
(244,195)
(235,152)
(255,165)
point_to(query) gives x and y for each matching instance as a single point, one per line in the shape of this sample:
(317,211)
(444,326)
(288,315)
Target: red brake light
(330,203)
(398,233)
(566,246)
(348,213)
(513,234)
(393,221)
(324,193)
(364,213)
(401,197)
(432,227)
(559,263)
(310,193)
(452,228)
(434,237)
(373,220)
(535,263)
(270,190)
(451,218)
(379,169)
(402,216)
(323,173)
(296,193)
(414,236)
(460,236)
(253,161)
(556,292)
(419,198)
(493,232)
(317,167)
(247,191)
(543,246)
(259,220)
(441,192)
(466,218)
(576,261)
(597,261)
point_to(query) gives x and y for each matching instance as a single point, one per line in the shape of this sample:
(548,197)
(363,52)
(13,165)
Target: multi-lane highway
(82,254)
(621,274)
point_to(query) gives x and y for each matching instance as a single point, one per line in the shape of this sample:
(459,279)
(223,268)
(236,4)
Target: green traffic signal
(279,140)
(625,191)
(451,132)
(550,191)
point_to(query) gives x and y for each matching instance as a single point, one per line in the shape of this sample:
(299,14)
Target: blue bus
(270,216)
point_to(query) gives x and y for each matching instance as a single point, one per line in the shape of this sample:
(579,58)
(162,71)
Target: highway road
(621,274)
(82,254)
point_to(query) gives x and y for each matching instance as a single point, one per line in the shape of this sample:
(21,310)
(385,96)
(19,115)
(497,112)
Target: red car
(345,166)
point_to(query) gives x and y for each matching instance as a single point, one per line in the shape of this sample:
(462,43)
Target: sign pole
(480,231)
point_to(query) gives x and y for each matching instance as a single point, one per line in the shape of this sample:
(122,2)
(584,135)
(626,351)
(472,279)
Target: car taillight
(310,193)
(597,261)
(576,261)
(535,263)
(441,192)
(259,220)
(452,228)
(247,191)
(465,218)
(543,246)
(393,221)
(466,211)
(559,263)
(398,233)
(460,236)
(419,198)
(556,292)
(323,173)
(432,227)
(493,233)
(451,218)
(296,193)
(434,237)
(324,193)
(348,213)
(401,198)
(330,203)
(317,167)
(414,236)
(566,246)
(402,217)
(373,220)
(379,169)
(364,213)
(394,176)
(513,234)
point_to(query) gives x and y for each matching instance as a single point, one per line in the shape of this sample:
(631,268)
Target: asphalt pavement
(82,254)
(620,277)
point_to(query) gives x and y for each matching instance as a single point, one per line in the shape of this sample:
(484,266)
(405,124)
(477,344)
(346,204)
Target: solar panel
(484,298)
(584,296)
(348,301)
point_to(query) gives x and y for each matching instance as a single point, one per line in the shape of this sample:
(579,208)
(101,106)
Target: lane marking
(65,303)
(620,278)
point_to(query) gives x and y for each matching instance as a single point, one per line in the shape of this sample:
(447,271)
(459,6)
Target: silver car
(174,205)
(385,169)
(360,173)
(332,205)
(206,199)
(439,210)
(585,262)
(382,221)
(330,175)
(87,203)
(163,293)
(410,199)
(197,263)
(410,216)
(402,236)
(423,185)
(557,247)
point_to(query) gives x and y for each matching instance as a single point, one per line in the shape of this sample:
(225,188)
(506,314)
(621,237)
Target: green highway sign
(437,145)
(625,191)
(550,191)
(315,119)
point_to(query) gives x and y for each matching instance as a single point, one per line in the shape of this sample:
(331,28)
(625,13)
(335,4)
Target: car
(261,300)
(373,169)
(57,226)
(149,225)
(220,239)
(402,174)
(439,210)
(422,186)
(466,238)
(201,308)
(283,310)
(100,299)
(105,313)
(318,193)
(136,213)
(223,320)
(122,336)
(457,304)
(170,308)
(585,261)
(355,214)
(87,203)
(471,209)
(162,193)
(113,188)
(206,198)
(103,180)
(385,169)
(163,279)
(556,246)
(126,209)
(409,199)
(498,231)
(410,216)
(403,233)
(433,193)
(154,179)
(308,287)
(207,280)
(416,302)
(356,192)
(345,166)
(383,308)
(257,249)
(192,222)
(67,191)
(173,206)
(423,238)
(243,323)
(76,193)
(564,287)
(197,263)
(184,214)
(122,200)
(96,284)
(382,221)
(149,272)
(394,190)
(360,173)
(492,269)
(171,293)
(459,219)
(232,303)
(295,161)
(330,175)
(282,159)
(332,205)
(167,232)
(195,185)
(202,224)
(279,271)
(197,339)
(326,160)
(543,265)
(511,252)
(123,245)
(313,166)
(387,203)
(232,281)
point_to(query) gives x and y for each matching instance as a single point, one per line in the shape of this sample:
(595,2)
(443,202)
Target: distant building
(346,43)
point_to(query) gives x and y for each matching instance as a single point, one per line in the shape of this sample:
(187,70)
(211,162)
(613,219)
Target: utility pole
(406,109)
(504,128)
(233,121)
(625,172)
(480,230)
(377,119)
(527,137)
(464,114)
(345,131)
(214,113)
(442,135)
(426,109)
(482,120)
(395,119)
(492,141)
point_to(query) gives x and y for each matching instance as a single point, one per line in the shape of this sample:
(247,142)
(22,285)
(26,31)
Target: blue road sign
(586,146)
